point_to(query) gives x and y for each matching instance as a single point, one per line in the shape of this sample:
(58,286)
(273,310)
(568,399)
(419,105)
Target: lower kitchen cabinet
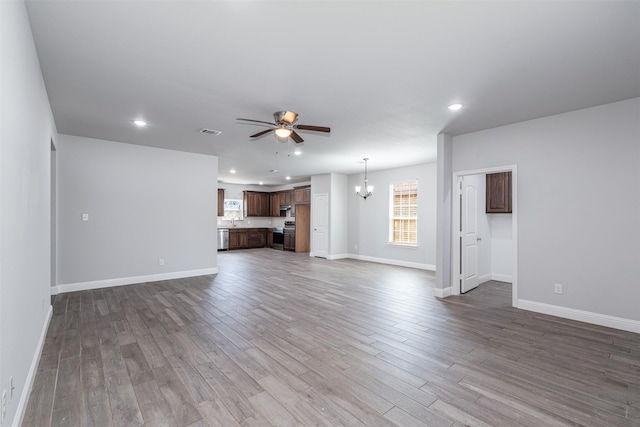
(247,238)
(289,239)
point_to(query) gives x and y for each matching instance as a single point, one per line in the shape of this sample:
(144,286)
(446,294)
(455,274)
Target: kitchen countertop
(245,228)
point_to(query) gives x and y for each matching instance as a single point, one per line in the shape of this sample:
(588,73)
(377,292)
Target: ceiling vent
(210,131)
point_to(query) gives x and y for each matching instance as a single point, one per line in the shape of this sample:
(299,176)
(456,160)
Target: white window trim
(390,241)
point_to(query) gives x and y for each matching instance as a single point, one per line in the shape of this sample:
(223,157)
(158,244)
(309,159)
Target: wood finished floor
(278,338)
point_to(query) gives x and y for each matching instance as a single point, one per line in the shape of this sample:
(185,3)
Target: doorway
(468,234)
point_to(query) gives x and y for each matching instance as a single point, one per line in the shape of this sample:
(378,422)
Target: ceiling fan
(284,126)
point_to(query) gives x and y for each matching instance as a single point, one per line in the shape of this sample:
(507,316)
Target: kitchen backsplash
(255,222)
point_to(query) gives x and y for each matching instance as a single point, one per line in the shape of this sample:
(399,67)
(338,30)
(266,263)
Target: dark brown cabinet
(284,197)
(220,201)
(301,196)
(234,240)
(274,204)
(498,193)
(289,239)
(256,203)
(247,238)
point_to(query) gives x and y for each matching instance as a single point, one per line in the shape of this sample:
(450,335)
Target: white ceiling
(380,74)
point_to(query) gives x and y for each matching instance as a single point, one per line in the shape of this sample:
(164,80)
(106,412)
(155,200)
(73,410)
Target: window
(403,213)
(232,209)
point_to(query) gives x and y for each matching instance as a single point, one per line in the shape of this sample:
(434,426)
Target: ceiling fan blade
(261,133)
(296,138)
(289,117)
(315,128)
(257,121)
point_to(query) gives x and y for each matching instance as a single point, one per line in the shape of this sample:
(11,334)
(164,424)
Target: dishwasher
(223,239)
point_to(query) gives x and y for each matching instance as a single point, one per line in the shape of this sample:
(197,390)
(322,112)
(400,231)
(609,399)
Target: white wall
(444,202)
(500,229)
(338,214)
(369,219)
(578,206)
(144,204)
(26,131)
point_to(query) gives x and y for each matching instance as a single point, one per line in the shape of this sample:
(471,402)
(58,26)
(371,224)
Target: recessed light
(297,152)
(140,123)
(288,178)
(232,171)
(455,107)
(210,131)
(260,183)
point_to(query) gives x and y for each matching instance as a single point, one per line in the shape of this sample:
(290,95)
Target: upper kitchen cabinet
(274,204)
(220,201)
(256,203)
(498,190)
(302,195)
(285,197)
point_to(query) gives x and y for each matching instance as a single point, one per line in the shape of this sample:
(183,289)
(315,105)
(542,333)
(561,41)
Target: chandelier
(368,189)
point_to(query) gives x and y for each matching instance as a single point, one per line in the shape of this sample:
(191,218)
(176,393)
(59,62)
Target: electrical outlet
(558,288)
(85,217)
(161,261)
(356,247)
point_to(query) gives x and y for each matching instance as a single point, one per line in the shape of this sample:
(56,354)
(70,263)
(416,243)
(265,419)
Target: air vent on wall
(210,131)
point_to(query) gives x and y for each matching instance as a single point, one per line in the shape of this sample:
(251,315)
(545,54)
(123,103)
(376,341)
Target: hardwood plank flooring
(282,339)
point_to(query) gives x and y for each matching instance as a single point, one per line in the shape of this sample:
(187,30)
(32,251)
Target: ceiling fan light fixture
(283,132)
(289,117)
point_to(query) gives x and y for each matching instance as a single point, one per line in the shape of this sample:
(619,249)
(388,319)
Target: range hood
(285,207)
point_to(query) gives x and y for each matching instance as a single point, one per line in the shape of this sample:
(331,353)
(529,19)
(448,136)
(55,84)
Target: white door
(320,225)
(469,236)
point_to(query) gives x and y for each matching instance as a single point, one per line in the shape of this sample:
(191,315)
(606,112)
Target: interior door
(320,220)
(469,236)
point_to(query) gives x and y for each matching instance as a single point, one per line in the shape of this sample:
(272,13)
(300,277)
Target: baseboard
(502,278)
(581,316)
(31,375)
(339,256)
(108,283)
(484,278)
(392,262)
(442,293)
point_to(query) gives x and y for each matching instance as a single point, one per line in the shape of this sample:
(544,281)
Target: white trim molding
(400,263)
(338,256)
(502,278)
(33,369)
(581,316)
(121,281)
(442,293)
(484,278)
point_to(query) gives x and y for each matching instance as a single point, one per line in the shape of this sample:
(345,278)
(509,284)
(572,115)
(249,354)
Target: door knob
(478,239)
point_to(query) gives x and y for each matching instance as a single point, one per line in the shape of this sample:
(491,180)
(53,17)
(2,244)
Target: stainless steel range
(278,234)
(278,238)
